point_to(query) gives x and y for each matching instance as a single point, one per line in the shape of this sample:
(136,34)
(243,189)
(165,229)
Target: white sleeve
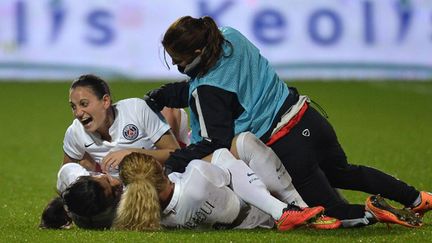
(221,156)
(214,174)
(70,145)
(68,174)
(154,126)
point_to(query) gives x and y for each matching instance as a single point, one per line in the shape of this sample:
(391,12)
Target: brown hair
(95,83)
(188,34)
(139,207)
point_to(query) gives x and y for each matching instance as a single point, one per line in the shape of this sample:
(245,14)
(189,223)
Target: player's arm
(166,144)
(218,110)
(173,118)
(173,95)
(86,162)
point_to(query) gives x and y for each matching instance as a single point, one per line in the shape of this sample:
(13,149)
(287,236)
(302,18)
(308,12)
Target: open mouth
(86,121)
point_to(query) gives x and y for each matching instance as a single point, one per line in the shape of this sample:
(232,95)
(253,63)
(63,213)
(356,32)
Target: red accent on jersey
(287,127)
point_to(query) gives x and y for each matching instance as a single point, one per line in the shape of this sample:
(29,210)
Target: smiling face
(89,110)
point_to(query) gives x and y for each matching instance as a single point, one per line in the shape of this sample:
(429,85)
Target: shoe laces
(292,207)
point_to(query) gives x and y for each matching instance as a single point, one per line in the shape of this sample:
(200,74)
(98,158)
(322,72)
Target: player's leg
(297,152)
(341,174)
(267,166)
(248,186)
(301,155)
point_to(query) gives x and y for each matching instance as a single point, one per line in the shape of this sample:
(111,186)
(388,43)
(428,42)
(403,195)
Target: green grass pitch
(387,125)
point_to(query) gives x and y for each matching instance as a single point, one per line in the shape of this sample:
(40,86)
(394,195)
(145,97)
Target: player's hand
(113,159)
(152,98)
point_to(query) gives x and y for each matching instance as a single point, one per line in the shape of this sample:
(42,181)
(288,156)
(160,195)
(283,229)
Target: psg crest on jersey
(130,132)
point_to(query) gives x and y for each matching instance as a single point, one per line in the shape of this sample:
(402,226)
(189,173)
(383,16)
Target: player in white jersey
(54,214)
(223,194)
(104,133)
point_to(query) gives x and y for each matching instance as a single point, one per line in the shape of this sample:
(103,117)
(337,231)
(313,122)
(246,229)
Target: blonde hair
(139,207)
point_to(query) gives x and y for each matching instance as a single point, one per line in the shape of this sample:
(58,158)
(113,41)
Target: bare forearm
(159,154)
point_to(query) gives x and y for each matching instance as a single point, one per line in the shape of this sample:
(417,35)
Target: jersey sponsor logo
(250,174)
(130,132)
(88,144)
(306,132)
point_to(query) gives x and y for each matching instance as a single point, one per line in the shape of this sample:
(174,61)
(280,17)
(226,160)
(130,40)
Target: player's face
(89,110)
(112,186)
(179,61)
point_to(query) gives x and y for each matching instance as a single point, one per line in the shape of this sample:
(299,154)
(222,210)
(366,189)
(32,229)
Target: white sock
(268,167)
(247,185)
(417,201)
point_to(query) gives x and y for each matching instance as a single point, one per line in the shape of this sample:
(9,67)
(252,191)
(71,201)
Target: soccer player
(200,197)
(87,198)
(104,132)
(232,89)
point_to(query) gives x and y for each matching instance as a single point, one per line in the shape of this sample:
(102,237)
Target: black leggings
(317,164)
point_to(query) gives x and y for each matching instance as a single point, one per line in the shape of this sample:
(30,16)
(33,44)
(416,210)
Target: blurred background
(313,39)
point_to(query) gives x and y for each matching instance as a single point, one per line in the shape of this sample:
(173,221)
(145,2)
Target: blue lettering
(57,15)
(314,31)
(369,29)
(404,13)
(21,23)
(205,10)
(269,26)
(101,31)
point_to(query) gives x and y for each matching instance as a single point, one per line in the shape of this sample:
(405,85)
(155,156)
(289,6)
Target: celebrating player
(104,132)
(232,88)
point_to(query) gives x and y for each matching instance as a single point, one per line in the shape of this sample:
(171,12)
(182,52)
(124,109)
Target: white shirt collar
(174,177)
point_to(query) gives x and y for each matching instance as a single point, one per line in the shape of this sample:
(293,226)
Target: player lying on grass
(83,198)
(223,194)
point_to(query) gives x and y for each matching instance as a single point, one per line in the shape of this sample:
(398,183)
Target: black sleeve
(173,95)
(218,109)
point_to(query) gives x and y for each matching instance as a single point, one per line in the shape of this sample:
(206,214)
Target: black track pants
(317,164)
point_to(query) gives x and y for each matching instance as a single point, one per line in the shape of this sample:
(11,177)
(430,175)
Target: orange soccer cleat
(294,216)
(385,213)
(425,205)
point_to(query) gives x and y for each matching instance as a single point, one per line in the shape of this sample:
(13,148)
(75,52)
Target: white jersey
(202,200)
(135,126)
(68,174)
